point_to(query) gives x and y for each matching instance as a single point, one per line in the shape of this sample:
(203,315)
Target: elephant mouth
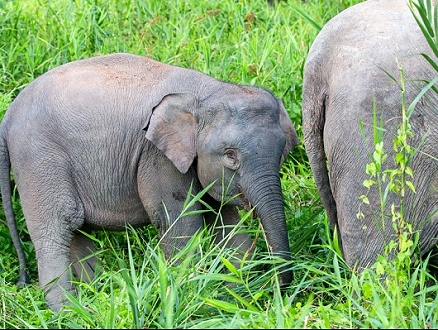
(245,203)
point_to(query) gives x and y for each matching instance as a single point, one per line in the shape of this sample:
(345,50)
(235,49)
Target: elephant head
(237,137)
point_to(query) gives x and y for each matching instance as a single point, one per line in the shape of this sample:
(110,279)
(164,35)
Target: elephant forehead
(257,108)
(241,101)
(235,134)
(246,117)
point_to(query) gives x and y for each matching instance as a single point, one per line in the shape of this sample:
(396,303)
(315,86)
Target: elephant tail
(314,111)
(6,192)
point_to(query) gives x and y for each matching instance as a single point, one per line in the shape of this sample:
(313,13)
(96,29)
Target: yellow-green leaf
(229,266)
(369,183)
(408,171)
(410,185)
(365,199)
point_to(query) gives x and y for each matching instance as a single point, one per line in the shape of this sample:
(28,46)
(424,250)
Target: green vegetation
(248,42)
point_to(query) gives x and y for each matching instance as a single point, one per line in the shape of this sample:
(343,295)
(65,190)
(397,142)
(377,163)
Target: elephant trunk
(266,195)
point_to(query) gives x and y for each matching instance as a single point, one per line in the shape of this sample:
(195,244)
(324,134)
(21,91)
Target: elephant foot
(56,298)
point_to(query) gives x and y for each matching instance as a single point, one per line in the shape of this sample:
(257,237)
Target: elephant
(353,78)
(120,139)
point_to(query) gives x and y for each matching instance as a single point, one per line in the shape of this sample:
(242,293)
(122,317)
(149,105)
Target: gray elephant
(120,139)
(351,73)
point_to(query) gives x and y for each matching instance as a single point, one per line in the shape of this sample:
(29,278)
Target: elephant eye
(231,158)
(231,154)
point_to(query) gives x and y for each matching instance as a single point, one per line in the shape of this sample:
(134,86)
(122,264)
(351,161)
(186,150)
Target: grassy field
(248,42)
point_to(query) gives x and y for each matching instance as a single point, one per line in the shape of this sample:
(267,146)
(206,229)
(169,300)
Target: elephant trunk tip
(286,278)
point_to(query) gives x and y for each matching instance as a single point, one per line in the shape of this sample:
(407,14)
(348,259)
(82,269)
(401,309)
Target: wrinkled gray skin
(344,73)
(111,140)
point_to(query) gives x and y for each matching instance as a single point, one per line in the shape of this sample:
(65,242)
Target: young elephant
(348,78)
(76,143)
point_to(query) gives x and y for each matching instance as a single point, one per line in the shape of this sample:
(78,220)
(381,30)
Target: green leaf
(364,199)
(420,95)
(242,300)
(217,277)
(230,266)
(371,169)
(369,183)
(379,147)
(306,17)
(410,185)
(367,290)
(399,158)
(409,172)
(380,270)
(223,305)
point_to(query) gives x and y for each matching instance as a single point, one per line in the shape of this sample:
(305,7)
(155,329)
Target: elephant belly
(116,216)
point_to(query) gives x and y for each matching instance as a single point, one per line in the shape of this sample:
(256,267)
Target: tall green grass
(247,42)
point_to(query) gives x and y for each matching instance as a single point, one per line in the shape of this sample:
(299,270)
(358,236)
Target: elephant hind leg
(83,258)
(53,212)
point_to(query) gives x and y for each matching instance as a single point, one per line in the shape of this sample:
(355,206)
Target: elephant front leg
(175,237)
(229,232)
(175,225)
(163,191)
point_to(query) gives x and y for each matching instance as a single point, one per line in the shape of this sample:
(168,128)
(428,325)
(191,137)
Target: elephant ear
(289,131)
(172,128)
